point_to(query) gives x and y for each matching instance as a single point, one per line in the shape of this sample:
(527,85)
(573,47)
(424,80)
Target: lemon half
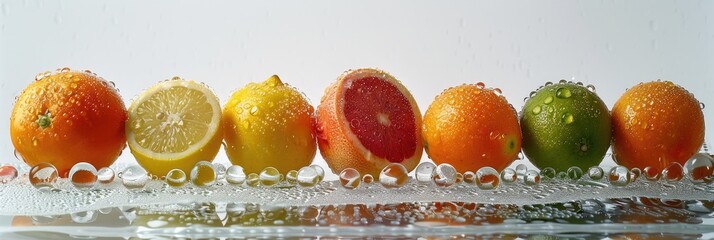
(174,124)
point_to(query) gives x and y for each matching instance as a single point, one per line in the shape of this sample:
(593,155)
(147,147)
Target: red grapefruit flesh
(366,120)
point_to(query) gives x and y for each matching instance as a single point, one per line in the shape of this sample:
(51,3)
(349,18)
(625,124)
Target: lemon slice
(173,125)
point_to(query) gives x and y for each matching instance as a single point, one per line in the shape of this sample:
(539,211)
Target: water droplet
(470,177)
(320,172)
(220,171)
(536,110)
(701,105)
(574,173)
(7,173)
(83,175)
(444,175)
(595,173)
(176,178)
(368,179)
(43,176)
(700,168)
(563,93)
(105,175)
(350,178)
(203,174)
(521,169)
(252,180)
(651,173)
(134,177)
(308,177)
(591,87)
(394,175)
(547,173)
(64,70)
(568,118)
(269,176)
(548,100)
(509,175)
(34,142)
(673,173)
(563,175)
(291,177)
(423,172)
(635,173)
(619,176)
(253,110)
(531,178)
(487,178)
(235,175)
(84,217)
(548,83)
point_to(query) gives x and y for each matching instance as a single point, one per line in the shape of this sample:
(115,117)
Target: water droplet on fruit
(134,177)
(350,178)
(548,100)
(548,83)
(480,85)
(568,118)
(368,179)
(308,177)
(394,175)
(563,93)
(254,110)
(487,178)
(533,93)
(43,176)
(291,177)
(252,180)
(591,87)
(444,175)
(320,172)
(547,173)
(220,171)
(701,105)
(269,176)
(64,70)
(235,175)
(536,110)
(83,175)
(7,173)
(203,174)
(700,168)
(105,175)
(34,142)
(619,176)
(531,178)
(574,173)
(595,173)
(176,178)
(423,172)
(509,175)
(673,173)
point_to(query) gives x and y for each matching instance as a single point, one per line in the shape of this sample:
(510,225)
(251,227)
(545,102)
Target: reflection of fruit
(174,124)
(565,125)
(366,120)
(269,124)
(655,124)
(471,127)
(69,117)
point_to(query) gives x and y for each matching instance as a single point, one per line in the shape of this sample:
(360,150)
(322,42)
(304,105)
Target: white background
(429,45)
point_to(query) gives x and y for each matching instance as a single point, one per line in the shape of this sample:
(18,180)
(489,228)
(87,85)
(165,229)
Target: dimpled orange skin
(655,124)
(470,128)
(87,121)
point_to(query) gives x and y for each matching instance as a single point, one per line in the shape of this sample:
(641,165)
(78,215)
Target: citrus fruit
(565,125)
(269,124)
(655,124)
(68,117)
(173,125)
(471,127)
(367,120)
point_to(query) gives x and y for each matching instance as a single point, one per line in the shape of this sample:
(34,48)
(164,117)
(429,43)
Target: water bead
(394,175)
(350,178)
(595,173)
(7,173)
(368,179)
(307,177)
(521,169)
(423,172)
(700,168)
(547,173)
(291,177)
(635,173)
(269,176)
(320,172)
(563,175)
(176,178)
(574,173)
(134,177)
(84,217)
(83,175)
(252,180)
(444,175)
(235,175)
(105,175)
(459,178)
(220,171)
(508,175)
(673,173)
(531,178)
(487,178)
(43,176)
(619,176)
(203,174)
(470,177)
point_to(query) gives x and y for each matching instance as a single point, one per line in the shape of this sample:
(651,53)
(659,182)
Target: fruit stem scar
(44,120)
(383,119)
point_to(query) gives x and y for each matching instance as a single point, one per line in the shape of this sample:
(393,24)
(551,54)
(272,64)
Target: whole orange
(471,127)
(655,124)
(69,117)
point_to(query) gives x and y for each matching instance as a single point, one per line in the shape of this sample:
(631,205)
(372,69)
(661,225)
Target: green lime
(565,125)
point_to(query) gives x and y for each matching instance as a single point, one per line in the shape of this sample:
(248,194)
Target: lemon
(174,124)
(269,124)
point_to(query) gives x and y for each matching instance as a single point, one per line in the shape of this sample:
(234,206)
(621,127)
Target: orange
(366,120)
(471,127)
(69,117)
(655,124)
